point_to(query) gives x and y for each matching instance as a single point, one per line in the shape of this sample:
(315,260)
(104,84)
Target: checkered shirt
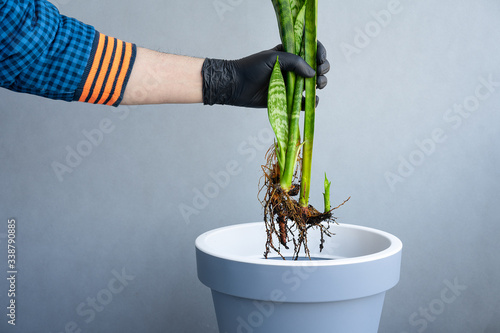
(48,54)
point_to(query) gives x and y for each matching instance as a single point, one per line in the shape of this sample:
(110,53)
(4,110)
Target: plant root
(286,220)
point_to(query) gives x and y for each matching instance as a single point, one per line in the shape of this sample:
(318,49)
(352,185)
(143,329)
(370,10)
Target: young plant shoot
(287,219)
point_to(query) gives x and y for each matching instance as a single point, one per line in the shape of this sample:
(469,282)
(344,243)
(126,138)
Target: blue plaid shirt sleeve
(48,54)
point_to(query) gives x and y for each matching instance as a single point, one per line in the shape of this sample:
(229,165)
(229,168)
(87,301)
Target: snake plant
(297,22)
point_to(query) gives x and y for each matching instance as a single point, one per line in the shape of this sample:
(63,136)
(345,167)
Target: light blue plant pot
(342,290)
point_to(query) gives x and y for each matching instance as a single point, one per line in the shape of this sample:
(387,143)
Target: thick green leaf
(277,111)
(285,24)
(310,107)
(293,149)
(298,28)
(295,6)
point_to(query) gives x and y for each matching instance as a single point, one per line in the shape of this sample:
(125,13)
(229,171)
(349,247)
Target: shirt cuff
(107,71)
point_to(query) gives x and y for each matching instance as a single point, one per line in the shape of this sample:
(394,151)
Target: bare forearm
(159,78)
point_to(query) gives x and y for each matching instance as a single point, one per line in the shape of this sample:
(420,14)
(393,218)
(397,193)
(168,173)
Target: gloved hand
(245,82)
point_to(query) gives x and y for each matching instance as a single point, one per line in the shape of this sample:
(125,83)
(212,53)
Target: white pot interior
(350,243)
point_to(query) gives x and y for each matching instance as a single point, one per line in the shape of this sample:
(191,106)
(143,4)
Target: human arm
(50,55)
(159,78)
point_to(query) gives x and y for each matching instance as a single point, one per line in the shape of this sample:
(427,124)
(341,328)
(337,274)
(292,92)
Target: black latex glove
(245,82)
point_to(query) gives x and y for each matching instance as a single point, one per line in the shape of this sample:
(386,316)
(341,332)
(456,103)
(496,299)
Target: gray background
(119,210)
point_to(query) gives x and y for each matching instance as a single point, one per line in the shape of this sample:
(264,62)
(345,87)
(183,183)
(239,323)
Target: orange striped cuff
(107,71)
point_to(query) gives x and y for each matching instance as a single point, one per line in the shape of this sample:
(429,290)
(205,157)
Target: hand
(245,82)
(322,64)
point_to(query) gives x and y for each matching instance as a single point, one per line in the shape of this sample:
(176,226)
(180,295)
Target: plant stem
(293,137)
(294,105)
(310,57)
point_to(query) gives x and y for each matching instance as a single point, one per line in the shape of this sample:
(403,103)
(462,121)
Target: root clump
(286,220)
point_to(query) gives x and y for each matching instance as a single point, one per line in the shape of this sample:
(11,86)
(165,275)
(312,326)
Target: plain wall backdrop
(408,126)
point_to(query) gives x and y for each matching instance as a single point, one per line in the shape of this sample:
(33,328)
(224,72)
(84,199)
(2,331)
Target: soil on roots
(287,222)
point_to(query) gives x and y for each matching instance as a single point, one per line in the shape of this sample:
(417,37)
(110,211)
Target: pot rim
(395,246)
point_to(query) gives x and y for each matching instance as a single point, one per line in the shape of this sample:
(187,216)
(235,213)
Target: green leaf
(277,111)
(285,24)
(310,104)
(283,12)
(326,195)
(293,149)
(295,6)
(298,28)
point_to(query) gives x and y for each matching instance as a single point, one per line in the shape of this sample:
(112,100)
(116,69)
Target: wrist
(218,81)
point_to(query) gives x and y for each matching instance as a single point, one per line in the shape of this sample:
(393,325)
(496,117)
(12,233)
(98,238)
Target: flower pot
(340,290)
